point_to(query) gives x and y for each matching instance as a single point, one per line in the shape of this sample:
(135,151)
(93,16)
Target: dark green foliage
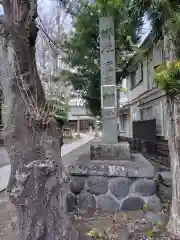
(165,20)
(83,46)
(161,13)
(168,78)
(59,111)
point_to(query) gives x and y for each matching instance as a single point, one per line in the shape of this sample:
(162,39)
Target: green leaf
(83,47)
(149,234)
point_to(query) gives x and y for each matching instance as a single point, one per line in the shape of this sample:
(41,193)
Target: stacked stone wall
(111,189)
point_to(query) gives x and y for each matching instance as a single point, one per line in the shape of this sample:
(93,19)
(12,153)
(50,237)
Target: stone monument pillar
(108,147)
(108,80)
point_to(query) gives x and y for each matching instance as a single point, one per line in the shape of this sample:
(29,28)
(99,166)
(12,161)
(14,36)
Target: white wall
(141,87)
(165,118)
(154,57)
(134,116)
(158,53)
(146,90)
(126,131)
(150,70)
(159,112)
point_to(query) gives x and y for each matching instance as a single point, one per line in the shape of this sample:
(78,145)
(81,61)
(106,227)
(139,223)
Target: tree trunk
(38,183)
(174,147)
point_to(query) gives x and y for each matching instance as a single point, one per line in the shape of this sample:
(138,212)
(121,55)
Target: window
(158,115)
(134,116)
(123,123)
(146,113)
(158,54)
(133,79)
(137,75)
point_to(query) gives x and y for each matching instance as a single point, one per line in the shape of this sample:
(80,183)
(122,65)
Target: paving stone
(78,170)
(117,171)
(77,184)
(107,204)
(97,185)
(71,202)
(98,170)
(145,187)
(88,170)
(86,202)
(145,172)
(113,170)
(119,187)
(132,203)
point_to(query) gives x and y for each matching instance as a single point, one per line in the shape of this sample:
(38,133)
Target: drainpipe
(147,74)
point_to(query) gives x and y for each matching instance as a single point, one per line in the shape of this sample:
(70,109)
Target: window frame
(123,119)
(133,75)
(144,111)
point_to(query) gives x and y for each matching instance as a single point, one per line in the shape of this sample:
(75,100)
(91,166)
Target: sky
(48,14)
(47,9)
(1,10)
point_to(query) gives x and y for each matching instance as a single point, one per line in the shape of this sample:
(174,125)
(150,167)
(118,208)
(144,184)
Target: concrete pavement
(67,148)
(5,167)
(4,158)
(4,176)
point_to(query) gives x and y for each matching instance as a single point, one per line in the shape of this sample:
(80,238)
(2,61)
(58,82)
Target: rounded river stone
(107,204)
(77,184)
(132,204)
(86,202)
(119,187)
(145,187)
(97,185)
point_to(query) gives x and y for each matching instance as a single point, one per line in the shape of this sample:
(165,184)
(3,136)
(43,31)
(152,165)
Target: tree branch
(32,13)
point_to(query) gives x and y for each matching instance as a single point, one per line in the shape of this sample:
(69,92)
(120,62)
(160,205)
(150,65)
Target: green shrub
(168,77)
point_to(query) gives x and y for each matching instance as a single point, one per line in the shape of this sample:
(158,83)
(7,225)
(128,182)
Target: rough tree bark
(38,182)
(171,47)
(174,147)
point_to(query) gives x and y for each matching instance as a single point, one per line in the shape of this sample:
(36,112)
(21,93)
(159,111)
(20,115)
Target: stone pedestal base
(105,151)
(111,188)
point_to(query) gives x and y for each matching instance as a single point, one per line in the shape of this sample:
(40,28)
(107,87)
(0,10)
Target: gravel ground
(80,154)
(121,226)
